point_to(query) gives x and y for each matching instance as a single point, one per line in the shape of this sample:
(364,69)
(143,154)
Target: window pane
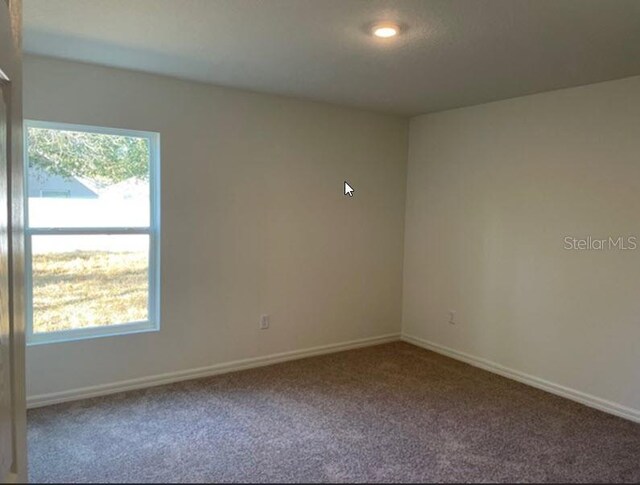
(88,281)
(79,179)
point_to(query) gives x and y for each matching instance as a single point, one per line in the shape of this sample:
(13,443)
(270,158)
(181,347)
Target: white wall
(253,221)
(492,192)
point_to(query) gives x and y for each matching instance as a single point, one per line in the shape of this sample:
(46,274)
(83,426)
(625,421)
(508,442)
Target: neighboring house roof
(43,184)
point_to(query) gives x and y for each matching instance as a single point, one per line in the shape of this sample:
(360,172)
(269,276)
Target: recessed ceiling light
(385,30)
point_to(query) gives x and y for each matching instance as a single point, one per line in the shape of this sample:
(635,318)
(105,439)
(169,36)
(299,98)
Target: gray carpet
(392,413)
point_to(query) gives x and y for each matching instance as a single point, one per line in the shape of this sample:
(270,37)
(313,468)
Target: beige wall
(253,221)
(492,192)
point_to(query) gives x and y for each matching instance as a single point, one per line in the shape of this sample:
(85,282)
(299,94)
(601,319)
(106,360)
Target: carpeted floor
(391,413)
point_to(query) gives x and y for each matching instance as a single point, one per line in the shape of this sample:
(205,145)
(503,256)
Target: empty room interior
(320,241)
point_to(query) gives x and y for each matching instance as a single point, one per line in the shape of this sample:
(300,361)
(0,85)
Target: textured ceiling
(452,52)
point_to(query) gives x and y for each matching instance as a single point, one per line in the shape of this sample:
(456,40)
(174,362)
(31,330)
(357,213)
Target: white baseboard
(566,392)
(236,365)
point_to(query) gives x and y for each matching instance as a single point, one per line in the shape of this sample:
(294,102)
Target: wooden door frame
(16,286)
(11,78)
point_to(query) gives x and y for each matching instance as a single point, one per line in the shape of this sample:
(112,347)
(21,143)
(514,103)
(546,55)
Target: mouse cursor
(348,190)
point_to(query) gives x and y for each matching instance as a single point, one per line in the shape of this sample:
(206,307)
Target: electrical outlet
(264,322)
(452,317)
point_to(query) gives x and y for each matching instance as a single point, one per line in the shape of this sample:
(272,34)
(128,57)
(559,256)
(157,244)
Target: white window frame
(153,231)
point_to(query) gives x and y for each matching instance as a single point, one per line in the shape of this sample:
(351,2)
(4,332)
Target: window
(92,231)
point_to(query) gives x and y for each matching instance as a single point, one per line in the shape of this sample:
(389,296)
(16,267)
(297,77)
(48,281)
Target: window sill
(92,333)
